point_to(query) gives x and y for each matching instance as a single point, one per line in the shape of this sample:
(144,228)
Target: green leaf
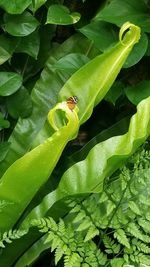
(59,14)
(31,171)
(7,47)
(101,33)
(138,52)
(4,146)
(118,12)
(15,6)
(118,128)
(71,62)
(148,47)
(10,82)
(20,25)
(121,237)
(3,123)
(91,233)
(138,92)
(17,110)
(36,4)
(33,252)
(115,92)
(30,45)
(88,175)
(134,207)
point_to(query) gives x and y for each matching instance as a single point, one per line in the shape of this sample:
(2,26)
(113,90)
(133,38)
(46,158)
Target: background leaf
(4,146)
(29,44)
(71,62)
(20,104)
(15,7)
(10,82)
(36,4)
(20,25)
(118,12)
(138,92)
(3,122)
(60,15)
(115,92)
(7,47)
(138,52)
(101,33)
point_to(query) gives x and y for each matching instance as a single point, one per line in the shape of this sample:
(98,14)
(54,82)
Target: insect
(72,101)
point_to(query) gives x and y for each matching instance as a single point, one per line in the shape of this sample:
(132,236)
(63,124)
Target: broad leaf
(36,4)
(4,146)
(138,52)
(115,92)
(15,6)
(7,47)
(101,33)
(3,122)
(20,25)
(138,92)
(19,104)
(118,128)
(60,15)
(10,82)
(71,62)
(118,12)
(30,44)
(31,171)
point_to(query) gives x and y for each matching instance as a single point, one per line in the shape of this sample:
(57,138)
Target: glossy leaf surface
(60,15)
(36,4)
(138,92)
(15,7)
(25,176)
(9,83)
(20,25)
(138,52)
(30,44)
(3,122)
(119,11)
(100,33)
(7,47)
(4,146)
(23,109)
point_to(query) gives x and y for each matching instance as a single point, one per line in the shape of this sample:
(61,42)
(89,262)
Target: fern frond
(92,232)
(9,236)
(122,238)
(134,207)
(133,229)
(86,223)
(80,216)
(72,260)
(145,224)
(119,216)
(117,262)
(110,245)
